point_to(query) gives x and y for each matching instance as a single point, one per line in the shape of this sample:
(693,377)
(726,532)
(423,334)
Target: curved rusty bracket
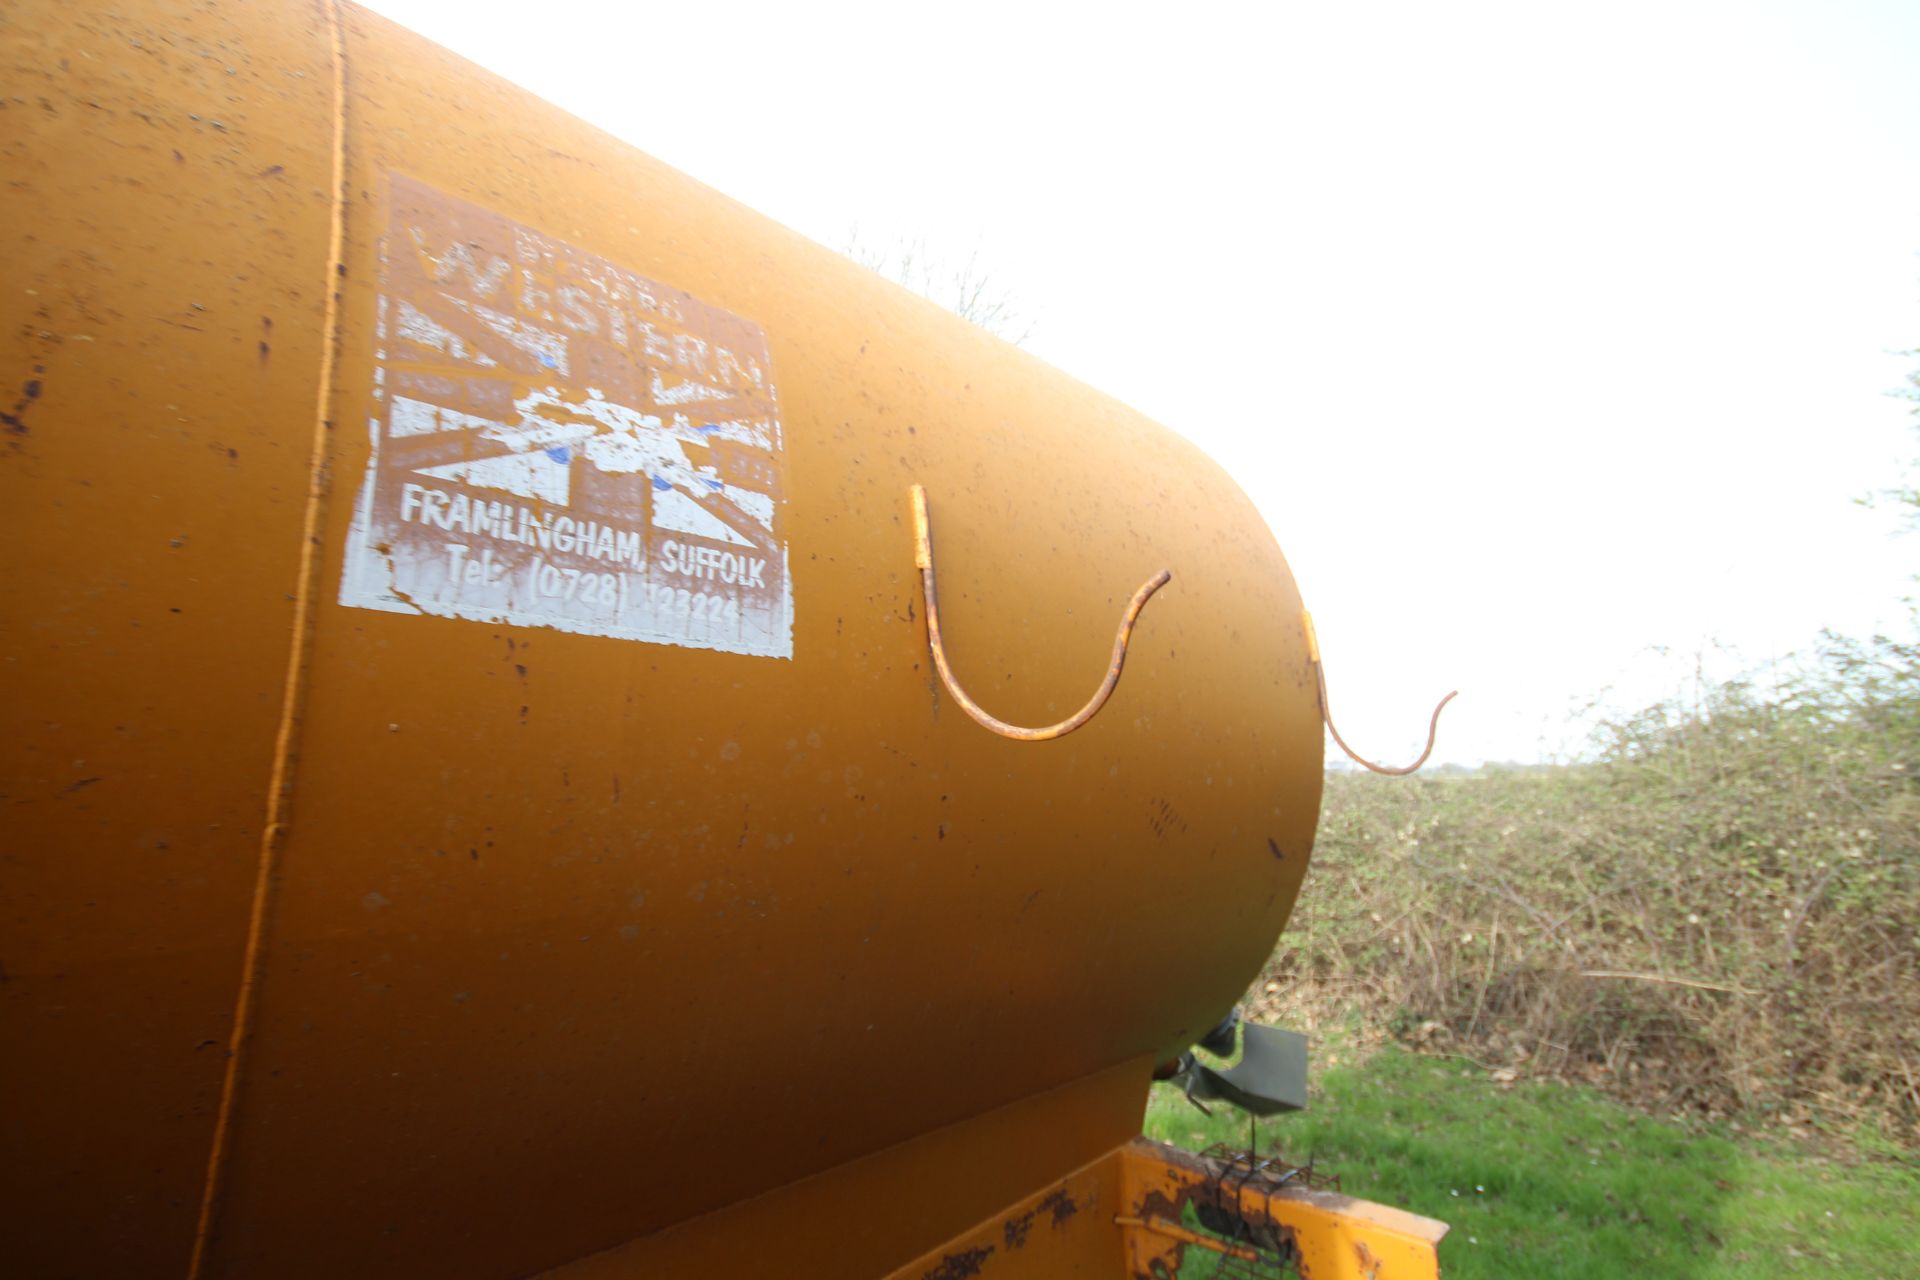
(1326,711)
(923,560)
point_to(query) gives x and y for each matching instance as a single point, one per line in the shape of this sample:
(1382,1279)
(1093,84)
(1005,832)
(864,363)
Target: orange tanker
(479,798)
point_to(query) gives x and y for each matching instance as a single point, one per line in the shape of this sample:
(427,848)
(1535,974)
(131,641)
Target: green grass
(1546,1179)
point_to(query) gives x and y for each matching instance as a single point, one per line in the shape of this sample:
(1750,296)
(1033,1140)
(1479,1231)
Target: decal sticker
(558,442)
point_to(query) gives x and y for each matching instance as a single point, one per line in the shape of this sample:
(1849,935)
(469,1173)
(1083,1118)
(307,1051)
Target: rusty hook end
(1326,712)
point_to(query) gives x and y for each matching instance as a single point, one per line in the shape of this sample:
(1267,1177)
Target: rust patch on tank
(16,421)
(961,1265)
(1061,1206)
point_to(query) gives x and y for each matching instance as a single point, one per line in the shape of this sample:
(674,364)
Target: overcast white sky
(1546,337)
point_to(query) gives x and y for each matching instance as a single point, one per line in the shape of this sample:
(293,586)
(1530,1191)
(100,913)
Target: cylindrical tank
(477,790)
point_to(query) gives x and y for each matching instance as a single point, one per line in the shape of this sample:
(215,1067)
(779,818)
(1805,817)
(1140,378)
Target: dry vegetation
(1719,913)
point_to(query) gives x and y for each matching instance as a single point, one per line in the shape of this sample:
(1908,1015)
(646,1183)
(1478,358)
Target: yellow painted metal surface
(1322,1234)
(166,211)
(1063,1230)
(375,909)
(937,1196)
(1147,1211)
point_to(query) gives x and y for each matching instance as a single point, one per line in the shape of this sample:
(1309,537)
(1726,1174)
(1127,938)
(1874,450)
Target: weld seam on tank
(280,787)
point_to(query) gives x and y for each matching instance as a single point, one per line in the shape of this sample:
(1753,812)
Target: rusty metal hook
(1326,711)
(923,560)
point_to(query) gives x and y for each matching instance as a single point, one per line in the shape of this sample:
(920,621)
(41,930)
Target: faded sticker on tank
(558,442)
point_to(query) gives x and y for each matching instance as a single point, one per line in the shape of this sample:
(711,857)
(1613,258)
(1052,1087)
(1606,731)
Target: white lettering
(459,257)
(712,565)
(531,298)
(690,353)
(654,344)
(574,314)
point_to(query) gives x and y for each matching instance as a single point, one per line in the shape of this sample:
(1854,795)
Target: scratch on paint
(393,581)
